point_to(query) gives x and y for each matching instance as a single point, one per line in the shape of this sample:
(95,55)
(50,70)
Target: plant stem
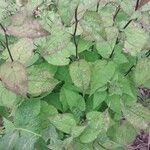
(75,31)
(97,7)
(116,13)
(118,9)
(127,24)
(129,70)
(117,41)
(148,54)
(136,8)
(6,38)
(137,5)
(102,146)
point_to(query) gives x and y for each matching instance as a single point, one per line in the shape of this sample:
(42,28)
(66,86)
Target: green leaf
(104,49)
(83,44)
(13,75)
(61,57)
(53,99)
(46,111)
(40,80)
(27,116)
(119,57)
(92,26)
(32,60)
(48,67)
(105,141)
(77,144)
(137,115)
(136,38)
(114,102)
(142,72)
(50,134)
(66,9)
(86,5)
(32,4)
(89,56)
(115,87)
(127,6)
(67,143)
(9,126)
(77,130)
(30,118)
(127,86)
(7,98)
(80,74)
(56,42)
(112,34)
(121,19)
(63,122)
(89,135)
(101,74)
(97,122)
(63,100)
(145,6)
(4,112)
(26,141)
(22,51)
(72,99)
(107,14)
(8,141)
(62,74)
(122,133)
(98,98)
(2,9)
(40,144)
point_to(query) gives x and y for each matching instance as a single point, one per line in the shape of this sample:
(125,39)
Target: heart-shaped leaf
(13,75)
(21,51)
(80,73)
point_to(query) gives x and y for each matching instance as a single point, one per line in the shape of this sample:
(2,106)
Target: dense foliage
(74,74)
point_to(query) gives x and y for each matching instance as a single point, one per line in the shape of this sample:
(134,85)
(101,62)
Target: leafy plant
(74,74)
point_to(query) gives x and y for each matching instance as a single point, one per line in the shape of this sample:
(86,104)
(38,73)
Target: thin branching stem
(75,31)
(97,7)
(148,54)
(7,45)
(117,41)
(116,13)
(102,146)
(136,8)
(127,24)
(130,69)
(137,5)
